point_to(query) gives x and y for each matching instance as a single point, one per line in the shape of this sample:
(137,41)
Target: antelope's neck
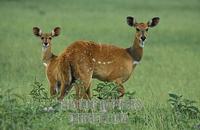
(47,55)
(136,51)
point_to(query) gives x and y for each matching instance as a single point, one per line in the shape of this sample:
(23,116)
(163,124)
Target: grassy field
(170,63)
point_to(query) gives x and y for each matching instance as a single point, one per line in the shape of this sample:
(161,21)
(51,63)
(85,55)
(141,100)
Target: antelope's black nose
(143,38)
(45,43)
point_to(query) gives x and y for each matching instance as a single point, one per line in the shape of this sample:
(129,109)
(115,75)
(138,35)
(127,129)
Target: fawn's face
(46,37)
(142,28)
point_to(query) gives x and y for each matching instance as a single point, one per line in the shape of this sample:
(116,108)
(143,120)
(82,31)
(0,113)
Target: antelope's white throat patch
(136,62)
(142,44)
(44,49)
(45,64)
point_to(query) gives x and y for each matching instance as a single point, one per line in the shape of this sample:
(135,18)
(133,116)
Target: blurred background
(171,56)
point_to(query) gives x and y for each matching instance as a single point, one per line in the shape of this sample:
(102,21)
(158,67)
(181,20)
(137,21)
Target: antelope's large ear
(153,22)
(55,32)
(131,21)
(37,31)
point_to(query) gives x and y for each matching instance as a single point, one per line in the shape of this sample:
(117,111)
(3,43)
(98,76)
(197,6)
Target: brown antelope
(57,68)
(107,62)
(84,60)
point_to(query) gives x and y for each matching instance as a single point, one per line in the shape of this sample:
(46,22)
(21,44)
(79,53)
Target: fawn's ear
(55,32)
(37,31)
(153,22)
(131,21)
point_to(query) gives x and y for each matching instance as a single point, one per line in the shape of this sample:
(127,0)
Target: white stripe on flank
(109,62)
(93,59)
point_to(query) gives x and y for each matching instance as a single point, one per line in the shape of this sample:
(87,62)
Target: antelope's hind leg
(83,90)
(52,84)
(66,79)
(57,86)
(121,90)
(82,87)
(65,87)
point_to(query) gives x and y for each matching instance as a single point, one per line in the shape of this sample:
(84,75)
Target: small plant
(182,106)
(110,90)
(38,92)
(107,90)
(41,99)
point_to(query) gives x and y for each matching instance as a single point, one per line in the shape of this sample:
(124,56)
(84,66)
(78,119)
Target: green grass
(171,56)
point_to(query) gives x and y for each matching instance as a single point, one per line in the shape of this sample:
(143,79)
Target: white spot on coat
(93,59)
(109,62)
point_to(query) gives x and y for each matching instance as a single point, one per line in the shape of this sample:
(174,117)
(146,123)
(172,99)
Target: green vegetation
(170,64)
(39,111)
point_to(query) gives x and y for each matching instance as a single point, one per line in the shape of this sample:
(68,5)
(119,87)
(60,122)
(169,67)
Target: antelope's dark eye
(50,38)
(42,38)
(137,29)
(147,30)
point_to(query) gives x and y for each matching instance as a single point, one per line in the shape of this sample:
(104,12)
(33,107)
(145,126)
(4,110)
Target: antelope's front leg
(62,92)
(83,86)
(121,89)
(65,86)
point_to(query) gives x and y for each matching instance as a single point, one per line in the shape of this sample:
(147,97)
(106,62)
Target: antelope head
(142,28)
(46,37)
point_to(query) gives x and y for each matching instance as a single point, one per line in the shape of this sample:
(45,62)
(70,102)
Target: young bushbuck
(57,68)
(106,62)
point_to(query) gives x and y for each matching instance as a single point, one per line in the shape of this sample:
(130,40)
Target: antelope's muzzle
(45,44)
(143,38)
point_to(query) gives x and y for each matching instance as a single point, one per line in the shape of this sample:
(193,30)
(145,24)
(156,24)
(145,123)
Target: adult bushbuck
(107,62)
(58,70)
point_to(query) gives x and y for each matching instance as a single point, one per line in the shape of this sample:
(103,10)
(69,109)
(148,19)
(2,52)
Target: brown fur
(104,62)
(84,60)
(58,70)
